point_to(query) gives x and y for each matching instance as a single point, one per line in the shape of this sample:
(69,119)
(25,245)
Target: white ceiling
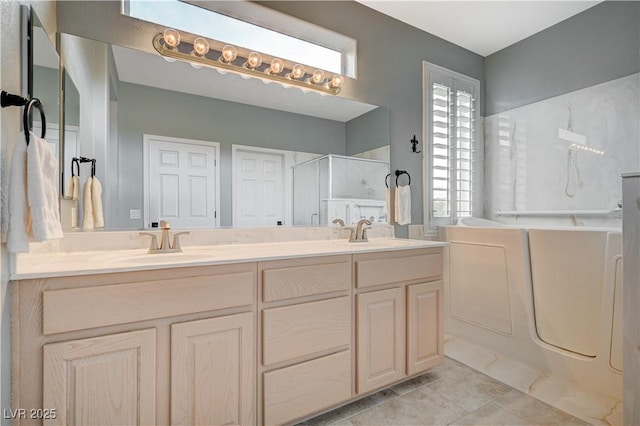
(484,27)
(148,69)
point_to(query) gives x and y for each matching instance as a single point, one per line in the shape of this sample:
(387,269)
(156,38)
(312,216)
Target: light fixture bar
(305,84)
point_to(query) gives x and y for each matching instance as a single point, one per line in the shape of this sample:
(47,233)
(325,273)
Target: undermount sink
(169,257)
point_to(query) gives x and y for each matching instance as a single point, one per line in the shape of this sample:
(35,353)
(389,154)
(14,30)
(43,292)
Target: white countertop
(47,265)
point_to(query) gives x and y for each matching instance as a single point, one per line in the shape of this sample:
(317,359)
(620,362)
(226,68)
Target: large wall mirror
(202,150)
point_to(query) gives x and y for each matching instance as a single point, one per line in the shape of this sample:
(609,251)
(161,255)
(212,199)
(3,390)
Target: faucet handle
(176,240)
(154,240)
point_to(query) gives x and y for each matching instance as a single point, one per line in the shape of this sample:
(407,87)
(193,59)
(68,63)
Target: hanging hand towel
(389,207)
(87,206)
(96,201)
(403,205)
(73,190)
(19,218)
(42,191)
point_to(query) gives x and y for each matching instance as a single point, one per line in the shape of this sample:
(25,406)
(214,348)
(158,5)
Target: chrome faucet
(361,232)
(165,246)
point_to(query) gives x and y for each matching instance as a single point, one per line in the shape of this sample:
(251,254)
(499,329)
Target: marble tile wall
(530,163)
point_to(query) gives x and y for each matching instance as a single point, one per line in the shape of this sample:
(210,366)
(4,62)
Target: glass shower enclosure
(338,187)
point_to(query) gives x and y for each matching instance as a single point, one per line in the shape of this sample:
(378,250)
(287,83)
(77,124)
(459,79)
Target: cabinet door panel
(381,341)
(213,371)
(425,347)
(107,380)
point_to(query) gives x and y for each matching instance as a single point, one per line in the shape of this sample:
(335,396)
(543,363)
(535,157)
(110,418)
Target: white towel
(389,207)
(33,196)
(19,218)
(87,206)
(96,201)
(73,190)
(403,205)
(42,191)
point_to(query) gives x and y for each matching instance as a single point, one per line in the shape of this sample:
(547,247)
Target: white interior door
(258,196)
(181,182)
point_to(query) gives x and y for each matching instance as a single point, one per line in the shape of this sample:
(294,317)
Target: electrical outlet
(134,214)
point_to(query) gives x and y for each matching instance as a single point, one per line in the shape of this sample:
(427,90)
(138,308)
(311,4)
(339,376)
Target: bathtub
(550,298)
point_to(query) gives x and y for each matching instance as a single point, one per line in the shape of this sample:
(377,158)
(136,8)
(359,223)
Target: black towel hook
(400,173)
(385,180)
(7,99)
(76,163)
(25,118)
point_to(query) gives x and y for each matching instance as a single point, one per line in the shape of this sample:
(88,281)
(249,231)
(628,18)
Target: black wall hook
(414,144)
(400,173)
(8,100)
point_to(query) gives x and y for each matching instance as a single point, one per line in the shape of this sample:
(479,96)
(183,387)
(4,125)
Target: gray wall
(390,55)
(369,131)
(143,109)
(597,45)
(45,88)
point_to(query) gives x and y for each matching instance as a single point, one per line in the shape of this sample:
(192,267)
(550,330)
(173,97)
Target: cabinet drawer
(371,272)
(293,392)
(307,280)
(91,307)
(293,331)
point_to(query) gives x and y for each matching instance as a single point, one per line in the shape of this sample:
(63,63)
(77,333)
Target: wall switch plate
(134,214)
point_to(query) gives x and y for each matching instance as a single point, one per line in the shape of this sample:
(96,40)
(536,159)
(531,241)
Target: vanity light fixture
(198,53)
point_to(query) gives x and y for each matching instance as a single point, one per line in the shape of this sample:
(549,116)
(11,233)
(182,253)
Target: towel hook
(75,162)
(400,173)
(93,167)
(7,99)
(385,179)
(25,118)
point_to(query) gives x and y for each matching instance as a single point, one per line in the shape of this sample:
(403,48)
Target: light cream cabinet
(399,304)
(102,380)
(381,338)
(213,371)
(154,347)
(305,316)
(270,342)
(425,328)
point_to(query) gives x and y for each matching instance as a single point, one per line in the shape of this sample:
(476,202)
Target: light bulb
(297,71)
(253,60)
(336,81)
(194,65)
(276,66)
(200,46)
(171,38)
(229,53)
(317,77)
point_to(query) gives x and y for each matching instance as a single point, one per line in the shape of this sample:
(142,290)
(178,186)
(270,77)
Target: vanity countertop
(48,265)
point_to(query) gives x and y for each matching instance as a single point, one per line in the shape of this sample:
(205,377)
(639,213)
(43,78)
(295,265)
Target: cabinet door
(381,341)
(213,371)
(425,332)
(106,380)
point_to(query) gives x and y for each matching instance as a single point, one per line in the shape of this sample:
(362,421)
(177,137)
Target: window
(303,43)
(452,161)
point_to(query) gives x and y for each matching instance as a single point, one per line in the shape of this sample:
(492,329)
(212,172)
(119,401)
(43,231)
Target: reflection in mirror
(44,84)
(201,149)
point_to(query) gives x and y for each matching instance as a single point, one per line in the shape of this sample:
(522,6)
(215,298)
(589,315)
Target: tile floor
(449,394)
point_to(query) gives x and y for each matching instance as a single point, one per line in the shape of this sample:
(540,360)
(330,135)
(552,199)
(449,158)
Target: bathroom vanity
(245,334)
